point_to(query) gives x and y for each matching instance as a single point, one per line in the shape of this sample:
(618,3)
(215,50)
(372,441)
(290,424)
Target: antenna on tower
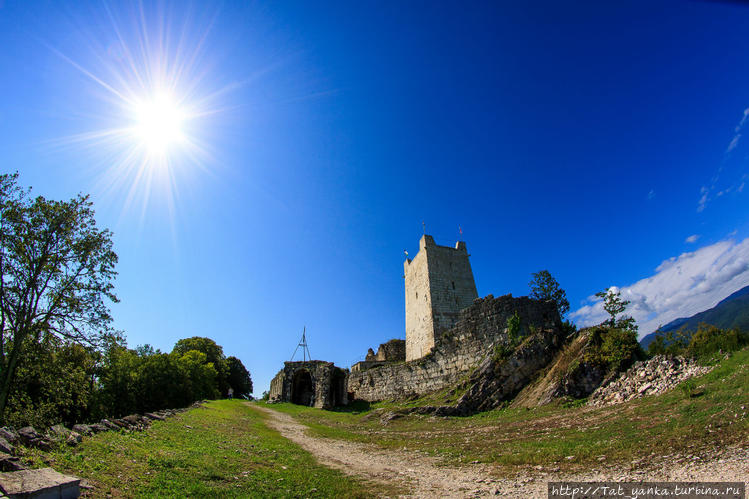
(303,344)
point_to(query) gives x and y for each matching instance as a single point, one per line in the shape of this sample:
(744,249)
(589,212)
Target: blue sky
(602,141)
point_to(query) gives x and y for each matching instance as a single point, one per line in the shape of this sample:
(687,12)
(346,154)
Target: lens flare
(158,123)
(153,100)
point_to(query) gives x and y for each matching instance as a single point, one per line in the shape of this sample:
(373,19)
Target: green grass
(223,449)
(711,416)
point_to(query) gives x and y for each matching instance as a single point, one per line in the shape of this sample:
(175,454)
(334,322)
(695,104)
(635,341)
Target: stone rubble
(657,375)
(58,434)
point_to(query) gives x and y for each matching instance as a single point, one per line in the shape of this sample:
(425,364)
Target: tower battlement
(439,284)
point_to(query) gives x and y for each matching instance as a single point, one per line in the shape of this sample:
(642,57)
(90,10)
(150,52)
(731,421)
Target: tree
(201,375)
(239,377)
(214,354)
(56,270)
(545,287)
(614,305)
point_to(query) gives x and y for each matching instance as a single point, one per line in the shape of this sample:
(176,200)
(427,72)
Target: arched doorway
(337,387)
(302,389)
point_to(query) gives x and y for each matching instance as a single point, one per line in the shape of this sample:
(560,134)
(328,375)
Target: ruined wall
(392,351)
(439,284)
(456,351)
(328,384)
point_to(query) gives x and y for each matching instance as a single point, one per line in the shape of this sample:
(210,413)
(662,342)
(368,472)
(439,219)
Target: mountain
(731,312)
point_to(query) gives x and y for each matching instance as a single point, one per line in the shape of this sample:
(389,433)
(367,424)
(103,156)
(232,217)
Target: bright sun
(158,123)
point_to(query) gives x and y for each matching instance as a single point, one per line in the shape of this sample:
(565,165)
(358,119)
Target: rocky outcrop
(652,377)
(499,378)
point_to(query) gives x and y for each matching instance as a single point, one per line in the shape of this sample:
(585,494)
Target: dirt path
(421,475)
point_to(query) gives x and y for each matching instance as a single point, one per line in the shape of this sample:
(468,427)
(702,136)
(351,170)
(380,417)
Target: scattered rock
(9,434)
(151,415)
(389,416)
(122,423)
(73,439)
(651,377)
(6,446)
(27,434)
(58,432)
(135,420)
(99,428)
(109,424)
(83,429)
(10,463)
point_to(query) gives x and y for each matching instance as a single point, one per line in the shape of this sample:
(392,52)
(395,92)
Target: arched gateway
(312,383)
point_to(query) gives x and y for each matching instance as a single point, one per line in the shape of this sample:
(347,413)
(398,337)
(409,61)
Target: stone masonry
(391,351)
(456,351)
(312,383)
(439,284)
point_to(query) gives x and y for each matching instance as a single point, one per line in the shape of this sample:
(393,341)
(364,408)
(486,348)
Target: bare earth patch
(424,477)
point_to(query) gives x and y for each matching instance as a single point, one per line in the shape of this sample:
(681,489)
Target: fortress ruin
(449,332)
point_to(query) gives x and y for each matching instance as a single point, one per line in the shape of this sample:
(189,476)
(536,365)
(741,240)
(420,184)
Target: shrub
(501,352)
(708,340)
(620,348)
(513,328)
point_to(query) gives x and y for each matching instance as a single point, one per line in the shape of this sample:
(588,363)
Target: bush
(673,343)
(612,348)
(513,329)
(620,348)
(501,352)
(708,340)
(53,384)
(705,342)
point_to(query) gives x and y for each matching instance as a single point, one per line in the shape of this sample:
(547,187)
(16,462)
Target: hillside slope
(731,312)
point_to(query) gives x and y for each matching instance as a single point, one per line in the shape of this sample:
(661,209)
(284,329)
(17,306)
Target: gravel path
(421,475)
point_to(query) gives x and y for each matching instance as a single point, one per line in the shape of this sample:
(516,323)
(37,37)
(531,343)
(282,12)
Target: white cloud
(703,200)
(706,191)
(692,239)
(651,194)
(734,142)
(680,287)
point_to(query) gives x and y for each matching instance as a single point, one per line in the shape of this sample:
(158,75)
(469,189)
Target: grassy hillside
(730,313)
(555,436)
(223,449)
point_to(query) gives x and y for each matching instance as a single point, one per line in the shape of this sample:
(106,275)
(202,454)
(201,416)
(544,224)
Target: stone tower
(439,284)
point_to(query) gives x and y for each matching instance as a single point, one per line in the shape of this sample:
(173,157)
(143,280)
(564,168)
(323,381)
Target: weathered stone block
(44,483)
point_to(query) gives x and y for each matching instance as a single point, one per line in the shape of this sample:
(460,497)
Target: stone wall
(456,351)
(313,383)
(392,351)
(439,284)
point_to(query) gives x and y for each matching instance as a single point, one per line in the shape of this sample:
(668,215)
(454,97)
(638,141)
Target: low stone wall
(456,351)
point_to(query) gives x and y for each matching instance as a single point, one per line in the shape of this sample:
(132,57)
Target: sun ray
(156,94)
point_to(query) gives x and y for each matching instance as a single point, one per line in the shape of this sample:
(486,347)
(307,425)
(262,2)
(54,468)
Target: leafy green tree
(161,383)
(545,287)
(53,384)
(214,354)
(671,342)
(239,377)
(117,390)
(708,340)
(200,374)
(614,305)
(56,270)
